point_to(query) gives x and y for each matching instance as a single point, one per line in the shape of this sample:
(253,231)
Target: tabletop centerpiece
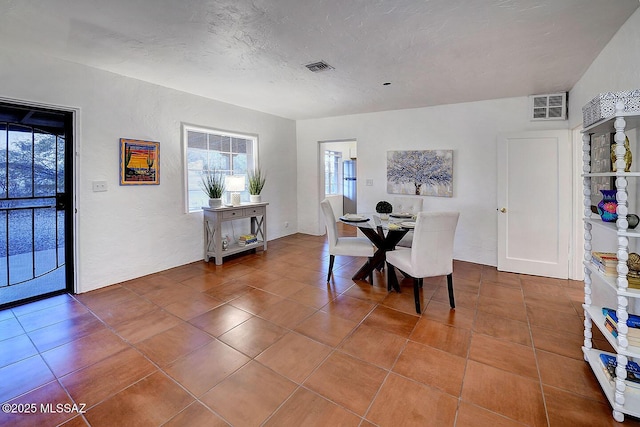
(384,208)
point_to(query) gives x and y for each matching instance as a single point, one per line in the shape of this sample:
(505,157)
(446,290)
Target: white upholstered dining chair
(430,255)
(349,246)
(411,205)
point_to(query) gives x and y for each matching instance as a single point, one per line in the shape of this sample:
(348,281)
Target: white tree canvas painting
(420,172)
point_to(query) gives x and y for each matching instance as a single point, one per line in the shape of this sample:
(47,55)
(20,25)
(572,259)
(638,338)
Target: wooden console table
(213,219)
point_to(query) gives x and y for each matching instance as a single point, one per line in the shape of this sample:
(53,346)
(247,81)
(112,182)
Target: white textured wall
(131,231)
(616,68)
(470,129)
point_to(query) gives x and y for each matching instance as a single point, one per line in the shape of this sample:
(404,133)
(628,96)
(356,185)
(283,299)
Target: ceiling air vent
(316,67)
(548,107)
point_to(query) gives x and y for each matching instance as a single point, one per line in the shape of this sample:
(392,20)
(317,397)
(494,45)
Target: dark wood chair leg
(371,274)
(331,259)
(450,287)
(416,294)
(392,280)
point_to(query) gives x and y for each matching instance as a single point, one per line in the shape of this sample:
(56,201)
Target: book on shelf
(632,322)
(605,262)
(611,327)
(607,271)
(247,239)
(605,258)
(610,363)
(611,324)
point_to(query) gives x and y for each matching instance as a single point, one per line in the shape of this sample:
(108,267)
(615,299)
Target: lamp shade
(234,182)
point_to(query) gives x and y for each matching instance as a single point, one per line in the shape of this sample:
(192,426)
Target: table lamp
(235,184)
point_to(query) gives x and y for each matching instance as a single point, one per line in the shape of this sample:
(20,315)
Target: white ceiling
(252,53)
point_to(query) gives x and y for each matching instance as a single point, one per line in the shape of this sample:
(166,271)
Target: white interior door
(534,203)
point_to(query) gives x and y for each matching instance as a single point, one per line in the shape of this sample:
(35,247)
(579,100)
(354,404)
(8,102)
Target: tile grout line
(158,368)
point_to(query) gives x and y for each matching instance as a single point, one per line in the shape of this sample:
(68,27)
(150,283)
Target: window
(209,151)
(331,172)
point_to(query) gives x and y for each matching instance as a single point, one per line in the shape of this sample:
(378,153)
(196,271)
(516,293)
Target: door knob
(503,210)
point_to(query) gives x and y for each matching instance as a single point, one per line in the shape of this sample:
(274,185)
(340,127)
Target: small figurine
(634,262)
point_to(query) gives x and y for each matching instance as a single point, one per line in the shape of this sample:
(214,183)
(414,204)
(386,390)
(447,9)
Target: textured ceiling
(252,53)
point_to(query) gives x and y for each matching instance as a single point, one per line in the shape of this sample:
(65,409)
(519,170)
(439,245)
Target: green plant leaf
(256,180)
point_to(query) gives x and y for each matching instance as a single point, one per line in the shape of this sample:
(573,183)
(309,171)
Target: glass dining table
(383,233)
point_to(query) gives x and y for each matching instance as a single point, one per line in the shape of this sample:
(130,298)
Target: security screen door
(35,203)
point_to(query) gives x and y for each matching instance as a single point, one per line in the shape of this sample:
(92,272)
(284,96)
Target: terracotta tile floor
(263,340)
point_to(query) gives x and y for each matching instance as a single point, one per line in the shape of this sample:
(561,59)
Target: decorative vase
(628,157)
(608,205)
(633,221)
(255,198)
(215,203)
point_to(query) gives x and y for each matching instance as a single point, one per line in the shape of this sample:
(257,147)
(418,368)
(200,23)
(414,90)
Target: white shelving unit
(624,399)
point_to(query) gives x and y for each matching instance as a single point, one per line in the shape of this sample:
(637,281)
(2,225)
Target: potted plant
(213,185)
(384,208)
(256,180)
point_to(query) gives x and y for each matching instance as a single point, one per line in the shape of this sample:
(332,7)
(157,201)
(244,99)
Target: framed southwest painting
(139,162)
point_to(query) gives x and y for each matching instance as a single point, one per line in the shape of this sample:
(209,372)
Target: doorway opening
(338,175)
(36,203)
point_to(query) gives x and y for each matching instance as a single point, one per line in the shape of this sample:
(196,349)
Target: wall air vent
(548,107)
(316,67)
